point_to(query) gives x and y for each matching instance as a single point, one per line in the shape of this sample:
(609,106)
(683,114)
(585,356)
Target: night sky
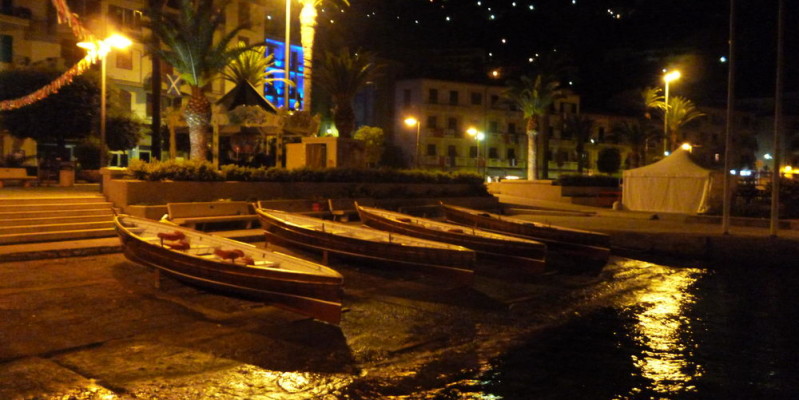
(612,45)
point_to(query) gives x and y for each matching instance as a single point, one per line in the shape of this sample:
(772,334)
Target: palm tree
(637,134)
(251,66)
(652,100)
(189,37)
(680,112)
(342,75)
(580,127)
(533,97)
(308,16)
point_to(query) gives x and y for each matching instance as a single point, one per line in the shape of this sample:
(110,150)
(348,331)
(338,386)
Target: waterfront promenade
(92,326)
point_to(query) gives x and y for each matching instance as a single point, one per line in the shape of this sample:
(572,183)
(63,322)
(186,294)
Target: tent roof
(245,94)
(678,164)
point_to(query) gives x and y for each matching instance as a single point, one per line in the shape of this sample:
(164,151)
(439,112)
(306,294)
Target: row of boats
(444,249)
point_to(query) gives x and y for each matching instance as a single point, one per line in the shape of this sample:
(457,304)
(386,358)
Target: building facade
(446,110)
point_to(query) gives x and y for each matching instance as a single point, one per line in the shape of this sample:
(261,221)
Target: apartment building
(446,110)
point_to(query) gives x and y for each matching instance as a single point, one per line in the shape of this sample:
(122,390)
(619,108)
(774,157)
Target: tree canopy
(70,113)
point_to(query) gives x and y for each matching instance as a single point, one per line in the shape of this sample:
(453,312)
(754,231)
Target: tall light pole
(478,136)
(100,49)
(667,78)
(287,55)
(411,121)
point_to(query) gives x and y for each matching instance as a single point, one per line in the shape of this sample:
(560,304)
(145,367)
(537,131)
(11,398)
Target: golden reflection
(662,330)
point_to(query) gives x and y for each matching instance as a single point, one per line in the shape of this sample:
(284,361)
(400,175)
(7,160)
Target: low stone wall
(595,196)
(124,193)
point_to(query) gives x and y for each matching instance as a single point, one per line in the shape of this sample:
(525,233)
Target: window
(453,97)
(432,96)
(511,154)
(473,151)
(511,128)
(477,99)
(452,151)
(493,127)
(125,17)
(244,12)
(452,123)
(149,106)
(431,150)
(432,122)
(125,100)
(601,133)
(492,152)
(494,100)
(6,47)
(124,59)
(406,97)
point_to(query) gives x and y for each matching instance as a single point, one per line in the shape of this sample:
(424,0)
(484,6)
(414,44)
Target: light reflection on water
(663,333)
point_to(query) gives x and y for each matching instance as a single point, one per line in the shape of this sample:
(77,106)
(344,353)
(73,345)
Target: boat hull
(569,249)
(453,265)
(528,256)
(318,296)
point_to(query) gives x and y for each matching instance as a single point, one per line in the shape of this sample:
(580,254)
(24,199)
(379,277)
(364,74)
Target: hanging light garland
(64,16)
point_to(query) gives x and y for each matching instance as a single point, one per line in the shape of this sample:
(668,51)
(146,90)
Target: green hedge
(205,172)
(585,180)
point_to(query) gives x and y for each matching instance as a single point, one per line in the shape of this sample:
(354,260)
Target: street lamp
(668,77)
(411,121)
(100,49)
(287,55)
(478,136)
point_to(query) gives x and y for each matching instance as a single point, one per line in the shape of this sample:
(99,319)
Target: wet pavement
(95,328)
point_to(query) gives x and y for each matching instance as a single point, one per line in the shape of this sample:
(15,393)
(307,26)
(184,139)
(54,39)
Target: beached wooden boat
(229,266)
(573,249)
(525,254)
(372,246)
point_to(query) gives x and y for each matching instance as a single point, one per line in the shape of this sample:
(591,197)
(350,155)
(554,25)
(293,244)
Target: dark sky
(615,45)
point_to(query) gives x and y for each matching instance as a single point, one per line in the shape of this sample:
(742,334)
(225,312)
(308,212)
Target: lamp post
(287,55)
(100,49)
(411,121)
(478,136)
(667,78)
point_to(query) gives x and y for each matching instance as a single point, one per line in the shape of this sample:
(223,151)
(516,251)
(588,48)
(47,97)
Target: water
(691,334)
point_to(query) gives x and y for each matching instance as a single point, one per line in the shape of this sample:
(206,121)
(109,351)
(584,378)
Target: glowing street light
(667,78)
(478,137)
(411,121)
(100,49)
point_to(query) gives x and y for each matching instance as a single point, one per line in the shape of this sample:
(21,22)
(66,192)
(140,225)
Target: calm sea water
(694,334)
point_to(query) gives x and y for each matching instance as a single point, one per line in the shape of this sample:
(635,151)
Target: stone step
(17,201)
(56,236)
(49,220)
(20,230)
(54,213)
(52,207)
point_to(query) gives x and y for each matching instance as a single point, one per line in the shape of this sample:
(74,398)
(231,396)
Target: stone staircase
(45,219)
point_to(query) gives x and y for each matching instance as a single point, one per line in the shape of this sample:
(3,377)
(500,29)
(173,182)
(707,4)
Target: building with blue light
(275,91)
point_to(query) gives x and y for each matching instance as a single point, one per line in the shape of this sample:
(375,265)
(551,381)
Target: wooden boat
(368,245)
(233,267)
(571,249)
(526,254)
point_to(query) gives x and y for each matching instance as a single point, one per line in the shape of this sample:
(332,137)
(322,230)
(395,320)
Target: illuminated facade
(275,92)
(447,109)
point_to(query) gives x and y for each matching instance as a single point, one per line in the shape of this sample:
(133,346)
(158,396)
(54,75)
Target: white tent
(674,184)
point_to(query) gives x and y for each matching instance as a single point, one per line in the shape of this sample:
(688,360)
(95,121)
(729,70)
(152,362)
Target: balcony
(16,16)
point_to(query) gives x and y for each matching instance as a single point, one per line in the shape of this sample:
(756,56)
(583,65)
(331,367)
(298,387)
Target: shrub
(205,171)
